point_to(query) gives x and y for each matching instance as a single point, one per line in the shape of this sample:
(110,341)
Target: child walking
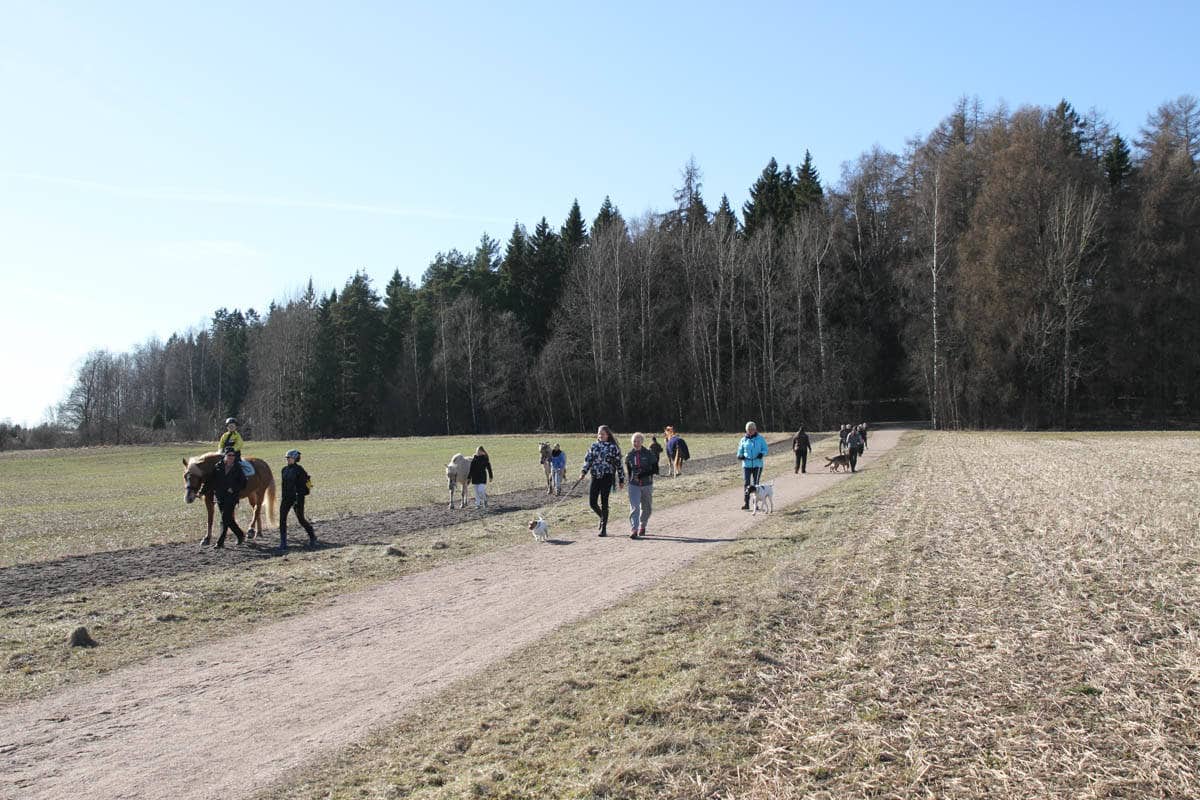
(558,468)
(295,484)
(480,473)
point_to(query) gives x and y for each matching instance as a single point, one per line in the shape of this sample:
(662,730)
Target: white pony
(458,471)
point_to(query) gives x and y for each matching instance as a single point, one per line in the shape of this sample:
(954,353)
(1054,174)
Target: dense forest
(1027,268)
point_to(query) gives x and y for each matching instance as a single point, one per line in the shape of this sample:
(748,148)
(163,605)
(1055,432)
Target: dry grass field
(70,502)
(983,615)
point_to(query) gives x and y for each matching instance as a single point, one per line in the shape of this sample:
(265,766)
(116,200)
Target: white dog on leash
(539,529)
(764,498)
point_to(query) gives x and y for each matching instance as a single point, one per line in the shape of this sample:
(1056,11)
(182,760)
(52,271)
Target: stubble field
(984,615)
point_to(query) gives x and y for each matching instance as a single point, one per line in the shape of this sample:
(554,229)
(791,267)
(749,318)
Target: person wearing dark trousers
(228,482)
(295,484)
(603,461)
(854,448)
(752,449)
(801,446)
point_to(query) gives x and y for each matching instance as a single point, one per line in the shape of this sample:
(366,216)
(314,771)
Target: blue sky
(158,161)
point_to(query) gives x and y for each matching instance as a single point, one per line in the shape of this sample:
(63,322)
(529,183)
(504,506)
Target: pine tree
(609,215)
(484,277)
(725,220)
(397,315)
(358,333)
(1065,122)
(808,184)
(689,202)
(514,270)
(319,413)
(574,231)
(547,267)
(766,200)
(1118,165)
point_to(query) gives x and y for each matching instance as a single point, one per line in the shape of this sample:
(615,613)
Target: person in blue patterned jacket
(603,460)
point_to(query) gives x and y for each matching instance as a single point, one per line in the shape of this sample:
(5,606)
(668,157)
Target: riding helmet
(231,421)
(292,454)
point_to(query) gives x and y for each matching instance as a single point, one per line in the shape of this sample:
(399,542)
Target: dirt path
(28,583)
(179,727)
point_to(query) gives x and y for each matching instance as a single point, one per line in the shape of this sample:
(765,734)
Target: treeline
(1025,268)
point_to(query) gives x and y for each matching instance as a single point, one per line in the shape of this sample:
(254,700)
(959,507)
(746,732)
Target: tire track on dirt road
(301,688)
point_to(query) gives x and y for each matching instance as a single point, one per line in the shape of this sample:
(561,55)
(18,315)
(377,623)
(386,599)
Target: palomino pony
(458,471)
(260,489)
(544,451)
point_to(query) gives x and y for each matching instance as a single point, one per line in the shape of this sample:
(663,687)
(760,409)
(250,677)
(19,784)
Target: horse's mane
(204,463)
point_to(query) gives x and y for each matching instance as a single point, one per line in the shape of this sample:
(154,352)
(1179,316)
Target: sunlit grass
(63,502)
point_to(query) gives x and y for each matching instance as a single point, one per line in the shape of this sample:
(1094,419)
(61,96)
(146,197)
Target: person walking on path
(603,461)
(479,474)
(228,483)
(642,465)
(801,446)
(231,438)
(655,447)
(862,431)
(558,468)
(677,451)
(751,451)
(854,445)
(295,484)
(843,432)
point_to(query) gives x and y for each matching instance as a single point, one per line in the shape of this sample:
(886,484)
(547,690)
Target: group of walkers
(229,479)
(604,462)
(852,441)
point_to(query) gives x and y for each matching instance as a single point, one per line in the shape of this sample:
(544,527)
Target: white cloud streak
(230,199)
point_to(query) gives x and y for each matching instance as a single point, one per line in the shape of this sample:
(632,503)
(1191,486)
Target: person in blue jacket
(751,452)
(558,468)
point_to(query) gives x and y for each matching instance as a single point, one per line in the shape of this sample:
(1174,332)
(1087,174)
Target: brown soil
(291,691)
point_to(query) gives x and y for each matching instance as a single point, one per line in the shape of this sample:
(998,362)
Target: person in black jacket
(642,465)
(295,485)
(479,474)
(801,446)
(228,482)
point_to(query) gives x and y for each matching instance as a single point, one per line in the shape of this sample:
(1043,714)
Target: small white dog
(539,529)
(764,498)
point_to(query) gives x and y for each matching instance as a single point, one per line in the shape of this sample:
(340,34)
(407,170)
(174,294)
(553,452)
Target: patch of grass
(656,697)
(63,502)
(156,617)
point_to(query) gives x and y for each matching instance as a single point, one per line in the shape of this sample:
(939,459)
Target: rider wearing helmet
(231,438)
(295,484)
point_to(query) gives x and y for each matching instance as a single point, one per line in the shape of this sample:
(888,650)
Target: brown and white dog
(540,529)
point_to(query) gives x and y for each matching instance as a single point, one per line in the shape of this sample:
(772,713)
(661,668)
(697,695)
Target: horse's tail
(271,512)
